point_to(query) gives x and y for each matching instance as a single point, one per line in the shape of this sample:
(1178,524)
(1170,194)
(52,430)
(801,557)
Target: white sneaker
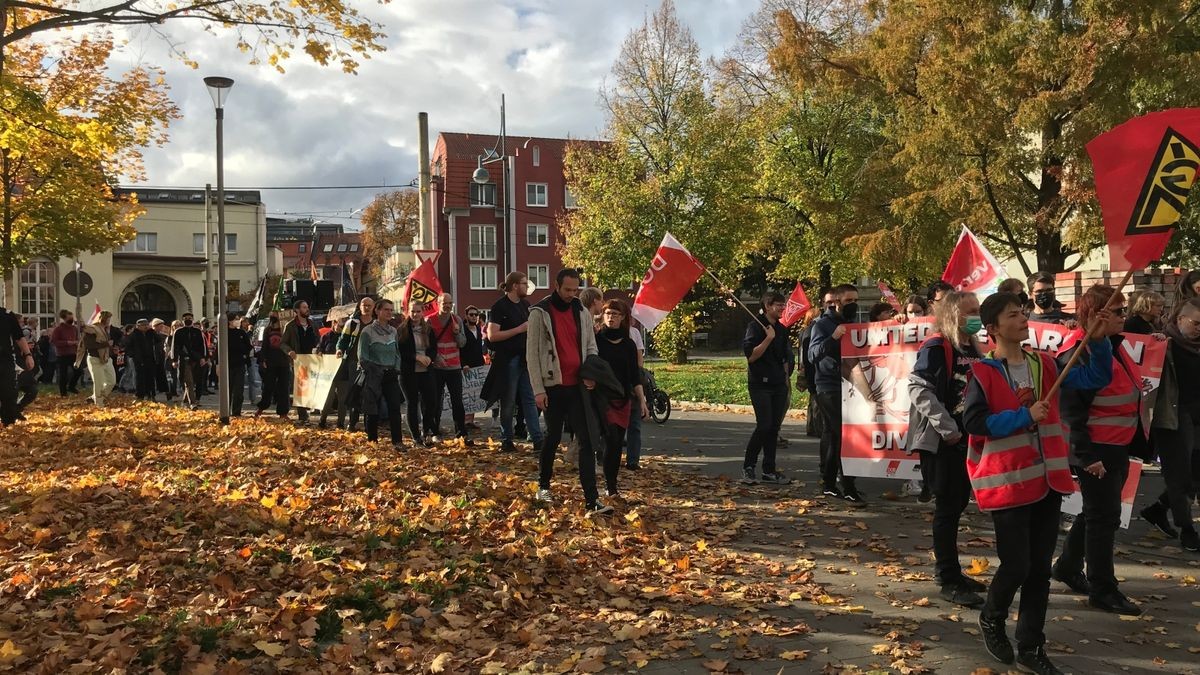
(435,439)
(544,496)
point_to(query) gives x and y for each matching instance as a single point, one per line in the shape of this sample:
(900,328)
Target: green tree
(995,100)
(675,163)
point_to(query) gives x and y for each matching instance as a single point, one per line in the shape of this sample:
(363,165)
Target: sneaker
(1156,515)
(599,509)
(748,476)
(427,443)
(1036,661)
(833,493)
(781,442)
(508,446)
(961,595)
(852,495)
(544,496)
(1076,581)
(633,467)
(1117,603)
(973,585)
(400,447)
(435,439)
(926,495)
(995,640)
(1189,540)
(612,492)
(776,478)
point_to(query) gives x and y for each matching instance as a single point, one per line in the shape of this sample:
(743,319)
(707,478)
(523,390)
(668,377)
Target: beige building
(169,268)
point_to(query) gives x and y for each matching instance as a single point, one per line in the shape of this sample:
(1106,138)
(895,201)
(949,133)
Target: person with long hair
(936,387)
(417,352)
(379,358)
(1188,288)
(617,348)
(276,369)
(347,351)
(1146,313)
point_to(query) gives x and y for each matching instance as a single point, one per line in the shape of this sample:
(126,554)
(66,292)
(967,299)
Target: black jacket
(596,401)
(189,344)
(240,349)
(825,353)
(140,347)
(472,352)
(773,368)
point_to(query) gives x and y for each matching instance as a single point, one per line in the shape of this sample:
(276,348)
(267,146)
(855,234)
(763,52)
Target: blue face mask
(974,325)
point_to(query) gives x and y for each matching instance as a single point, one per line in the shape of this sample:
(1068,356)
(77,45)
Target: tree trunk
(1051,257)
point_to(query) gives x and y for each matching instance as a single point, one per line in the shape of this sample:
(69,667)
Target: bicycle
(657,400)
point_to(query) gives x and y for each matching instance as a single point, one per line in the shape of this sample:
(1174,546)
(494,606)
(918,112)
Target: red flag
(95,314)
(972,267)
(672,273)
(797,305)
(1144,171)
(423,285)
(889,295)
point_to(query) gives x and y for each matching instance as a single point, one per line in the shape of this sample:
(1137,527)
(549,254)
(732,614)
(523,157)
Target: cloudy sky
(450,58)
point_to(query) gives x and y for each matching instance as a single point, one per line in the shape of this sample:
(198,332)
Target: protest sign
(313,380)
(472,386)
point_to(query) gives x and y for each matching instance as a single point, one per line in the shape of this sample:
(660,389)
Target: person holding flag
(769,364)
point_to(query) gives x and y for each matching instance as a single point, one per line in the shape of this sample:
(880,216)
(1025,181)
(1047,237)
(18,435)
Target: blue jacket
(825,353)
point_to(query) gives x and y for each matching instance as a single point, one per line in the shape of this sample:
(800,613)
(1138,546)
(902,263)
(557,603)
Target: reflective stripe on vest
(1018,469)
(1113,416)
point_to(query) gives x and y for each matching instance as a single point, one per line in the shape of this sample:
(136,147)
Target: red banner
(423,285)
(1144,170)
(672,273)
(972,267)
(797,306)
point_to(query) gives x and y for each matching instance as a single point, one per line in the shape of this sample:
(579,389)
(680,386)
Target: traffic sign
(78,283)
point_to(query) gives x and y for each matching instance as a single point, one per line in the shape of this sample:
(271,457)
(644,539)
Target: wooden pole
(733,295)
(1062,375)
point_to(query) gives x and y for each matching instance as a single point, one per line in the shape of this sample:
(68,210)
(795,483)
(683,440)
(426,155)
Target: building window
(198,244)
(303,248)
(537,156)
(537,234)
(483,242)
(535,194)
(328,248)
(483,195)
(539,276)
(483,277)
(231,243)
(38,283)
(569,199)
(144,242)
(342,248)
(353,248)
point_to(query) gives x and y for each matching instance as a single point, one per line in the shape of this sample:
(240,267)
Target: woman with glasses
(379,358)
(617,348)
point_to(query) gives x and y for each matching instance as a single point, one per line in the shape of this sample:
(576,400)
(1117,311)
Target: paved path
(879,559)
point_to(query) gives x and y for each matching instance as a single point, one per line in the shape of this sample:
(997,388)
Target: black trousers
(161,384)
(8,390)
(27,388)
(395,403)
(68,374)
(770,406)
(831,440)
(1026,537)
(143,377)
(277,387)
(1094,532)
(565,404)
(422,409)
(1180,459)
(451,380)
(237,382)
(614,439)
(945,472)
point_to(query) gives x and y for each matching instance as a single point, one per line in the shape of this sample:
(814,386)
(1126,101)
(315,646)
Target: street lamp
(218,88)
(481,177)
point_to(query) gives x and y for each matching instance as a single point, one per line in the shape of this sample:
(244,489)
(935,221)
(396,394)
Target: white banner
(313,379)
(472,385)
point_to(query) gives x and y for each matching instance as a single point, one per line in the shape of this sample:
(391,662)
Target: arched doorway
(147,300)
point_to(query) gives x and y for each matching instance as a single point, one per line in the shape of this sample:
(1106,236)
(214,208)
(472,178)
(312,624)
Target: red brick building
(478,250)
(327,254)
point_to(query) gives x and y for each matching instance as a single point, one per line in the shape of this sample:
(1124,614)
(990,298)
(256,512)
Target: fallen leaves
(978,566)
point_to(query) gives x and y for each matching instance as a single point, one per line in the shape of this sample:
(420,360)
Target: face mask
(187,322)
(974,325)
(1044,299)
(850,311)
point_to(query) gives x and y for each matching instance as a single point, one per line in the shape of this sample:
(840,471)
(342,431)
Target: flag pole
(733,295)
(1091,330)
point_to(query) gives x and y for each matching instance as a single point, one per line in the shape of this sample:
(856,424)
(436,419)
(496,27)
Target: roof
(188,196)
(470,146)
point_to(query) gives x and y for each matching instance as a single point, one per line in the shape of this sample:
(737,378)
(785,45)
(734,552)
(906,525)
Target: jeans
(770,405)
(633,437)
(565,404)
(518,390)
(945,472)
(253,380)
(68,374)
(395,401)
(104,378)
(453,380)
(1026,537)
(830,403)
(1180,460)
(1094,532)
(277,385)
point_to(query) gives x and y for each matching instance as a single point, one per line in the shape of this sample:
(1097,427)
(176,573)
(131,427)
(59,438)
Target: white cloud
(450,58)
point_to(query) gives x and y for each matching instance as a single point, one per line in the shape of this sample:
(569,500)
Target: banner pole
(733,295)
(1062,375)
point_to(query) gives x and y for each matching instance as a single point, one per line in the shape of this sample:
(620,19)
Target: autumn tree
(995,101)
(391,219)
(674,163)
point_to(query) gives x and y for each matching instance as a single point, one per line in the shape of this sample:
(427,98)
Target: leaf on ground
(270,648)
(440,662)
(795,655)
(978,566)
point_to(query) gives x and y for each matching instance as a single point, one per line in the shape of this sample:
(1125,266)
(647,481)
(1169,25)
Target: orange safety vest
(1116,409)
(1022,468)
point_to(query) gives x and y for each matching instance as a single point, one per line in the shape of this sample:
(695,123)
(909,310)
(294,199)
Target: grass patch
(712,381)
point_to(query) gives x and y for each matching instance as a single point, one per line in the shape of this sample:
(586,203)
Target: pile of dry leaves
(148,538)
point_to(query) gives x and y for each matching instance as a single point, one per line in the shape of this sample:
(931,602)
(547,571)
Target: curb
(699,406)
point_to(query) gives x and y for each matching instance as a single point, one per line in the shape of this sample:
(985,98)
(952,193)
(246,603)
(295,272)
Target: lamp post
(481,177)
(218,88)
